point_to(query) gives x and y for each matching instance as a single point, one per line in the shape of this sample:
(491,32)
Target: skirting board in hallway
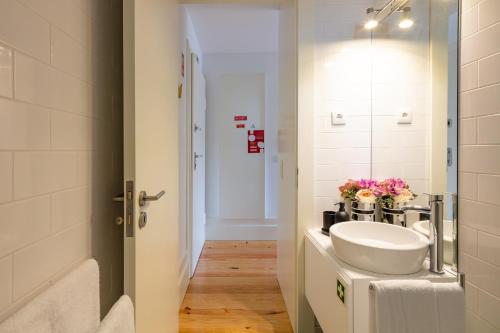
(234,290)
(241,229)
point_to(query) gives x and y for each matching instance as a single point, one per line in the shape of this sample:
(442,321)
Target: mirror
(414,101)
(386,102)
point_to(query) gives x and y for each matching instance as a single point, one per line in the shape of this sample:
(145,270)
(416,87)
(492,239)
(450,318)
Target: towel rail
(460,281)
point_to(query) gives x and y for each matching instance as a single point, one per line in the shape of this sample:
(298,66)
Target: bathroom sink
(423,228)
(379,247)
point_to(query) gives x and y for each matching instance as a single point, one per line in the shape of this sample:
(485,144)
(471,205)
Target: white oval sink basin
(423,228)
(379,247)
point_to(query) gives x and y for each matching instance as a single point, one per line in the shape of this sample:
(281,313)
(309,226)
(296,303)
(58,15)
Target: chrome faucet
(435,213)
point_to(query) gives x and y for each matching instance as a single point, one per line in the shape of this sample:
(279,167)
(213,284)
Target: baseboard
(183,278)
(241,229)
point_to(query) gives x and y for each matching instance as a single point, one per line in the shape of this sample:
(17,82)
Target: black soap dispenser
(341,215)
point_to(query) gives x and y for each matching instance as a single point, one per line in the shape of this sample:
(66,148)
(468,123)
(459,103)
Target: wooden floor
(235,290)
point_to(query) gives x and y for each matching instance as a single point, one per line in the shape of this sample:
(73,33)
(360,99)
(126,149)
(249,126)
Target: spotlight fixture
(406,20)
(375,16)
(371,23)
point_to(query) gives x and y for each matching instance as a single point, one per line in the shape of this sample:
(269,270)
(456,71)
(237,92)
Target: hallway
(235,290)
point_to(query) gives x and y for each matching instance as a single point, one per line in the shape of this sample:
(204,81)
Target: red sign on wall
(255,141)
(240,118)
(240,125)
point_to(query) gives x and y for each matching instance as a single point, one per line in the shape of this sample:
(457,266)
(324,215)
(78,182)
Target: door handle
(119,198)
(196,157)
(144,198)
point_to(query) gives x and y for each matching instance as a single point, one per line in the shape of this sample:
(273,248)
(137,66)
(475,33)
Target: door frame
(189,156)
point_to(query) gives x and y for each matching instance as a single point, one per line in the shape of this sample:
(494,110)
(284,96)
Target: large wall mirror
(386,103)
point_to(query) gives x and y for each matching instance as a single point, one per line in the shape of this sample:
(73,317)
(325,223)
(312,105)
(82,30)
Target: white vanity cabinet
(338,292)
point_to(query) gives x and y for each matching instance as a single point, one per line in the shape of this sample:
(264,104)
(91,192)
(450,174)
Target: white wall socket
(405,117)
(337,119)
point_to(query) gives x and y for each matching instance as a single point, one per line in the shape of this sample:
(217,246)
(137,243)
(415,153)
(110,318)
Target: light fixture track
(391,7)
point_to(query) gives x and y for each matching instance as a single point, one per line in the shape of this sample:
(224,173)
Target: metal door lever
(143,197)
(119,198)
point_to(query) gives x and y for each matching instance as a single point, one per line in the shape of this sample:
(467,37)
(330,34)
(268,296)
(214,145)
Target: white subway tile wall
(60,150)
(479,164)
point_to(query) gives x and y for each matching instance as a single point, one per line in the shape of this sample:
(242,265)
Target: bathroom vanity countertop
(324,245)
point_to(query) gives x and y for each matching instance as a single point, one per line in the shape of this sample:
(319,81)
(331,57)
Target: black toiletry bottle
(341,215)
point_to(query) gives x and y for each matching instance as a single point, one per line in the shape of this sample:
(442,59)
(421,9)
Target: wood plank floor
(235,290)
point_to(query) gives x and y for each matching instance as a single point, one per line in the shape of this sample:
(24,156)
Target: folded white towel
(415,306)
(71,305)
(451,307)
(120,319)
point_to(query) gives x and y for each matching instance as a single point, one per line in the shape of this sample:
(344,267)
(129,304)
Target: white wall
(479,163)
(258,224)
(60,145)
(187,36)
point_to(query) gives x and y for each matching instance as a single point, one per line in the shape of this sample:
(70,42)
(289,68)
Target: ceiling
(235,29)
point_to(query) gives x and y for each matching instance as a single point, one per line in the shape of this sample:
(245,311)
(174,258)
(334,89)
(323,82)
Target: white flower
(404,197)
(366,196)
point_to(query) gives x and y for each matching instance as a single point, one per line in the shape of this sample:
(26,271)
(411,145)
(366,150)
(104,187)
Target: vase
(393,215)
(362,211)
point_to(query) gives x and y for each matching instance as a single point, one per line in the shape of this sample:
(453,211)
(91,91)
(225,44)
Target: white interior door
(198,106)
(151,159)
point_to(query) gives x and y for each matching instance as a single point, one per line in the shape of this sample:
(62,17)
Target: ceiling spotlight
(406,20)
(371,23)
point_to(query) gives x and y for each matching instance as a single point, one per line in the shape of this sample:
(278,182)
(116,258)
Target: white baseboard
(241,229)
(183,278)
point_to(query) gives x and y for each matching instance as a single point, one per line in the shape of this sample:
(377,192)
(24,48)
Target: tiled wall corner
(479,165)
(60,70)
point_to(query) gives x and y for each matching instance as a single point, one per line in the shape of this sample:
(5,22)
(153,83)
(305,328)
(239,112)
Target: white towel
(451,307)
(120,319)
(415,306)
(71,305)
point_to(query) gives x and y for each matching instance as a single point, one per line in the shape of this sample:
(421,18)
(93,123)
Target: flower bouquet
(365,195)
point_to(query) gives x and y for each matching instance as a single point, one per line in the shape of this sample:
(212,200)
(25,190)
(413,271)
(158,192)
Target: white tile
(475,324)
(482,274)
(344,140)
(37,263)
(489,70)
(480,216)
(6,68)
(481,159)
(488,186)
(23,126)
(24,222)
(471,295)
(70,207)
(5,282)
(70,132)
(41,84)
(66,15)
(24,29)
(488,248)
(467,240)
(469,76)
(467,186)
(489,13)
(468,131)
(43,172)
(489,308)
(481,102)
(481,45)
(469,22)
(488,130)
(83,166)
(69,56)
(6,166)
